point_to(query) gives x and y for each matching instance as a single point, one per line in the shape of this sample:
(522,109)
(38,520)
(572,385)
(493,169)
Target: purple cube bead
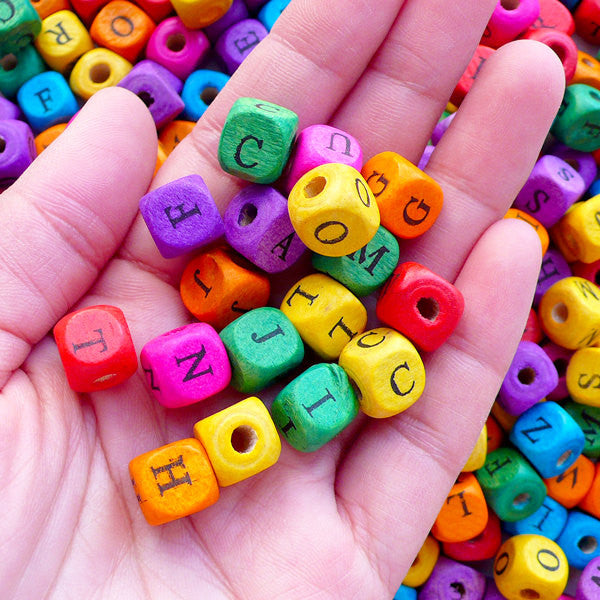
(424,160)
(237,12)
(238,41)
(258,226)
(588,587)
(17,150)
(582,162)
(449,577)
(181,216)
(8,110)
(551,188)
(530,377)
(440,129)
(560,358)
(554,268)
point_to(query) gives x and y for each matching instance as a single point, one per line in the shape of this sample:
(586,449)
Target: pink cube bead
(176,47)
(508,20)
(320,144)
(186,365)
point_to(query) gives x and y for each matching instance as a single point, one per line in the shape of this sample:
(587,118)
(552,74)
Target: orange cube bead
(44,139)
(161,156)
(465,512)
(219,285)
(591,501)
(495,434)
(173,481)
(123,28)
(570,487)
(587,70)
(172,133)
(45,8)
(515,213)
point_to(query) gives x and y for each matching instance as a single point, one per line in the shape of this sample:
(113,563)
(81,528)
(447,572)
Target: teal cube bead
(313,408)
(577,123)
(365,270)
(19,25)
(256,140)
(262,345)
(588,418)
(510,484)
(16,69)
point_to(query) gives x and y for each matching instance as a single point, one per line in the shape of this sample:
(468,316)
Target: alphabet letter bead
(549,520)
(262,345)
(409,200)
(387,370)
(495,434)
(333,210)
(313,408)
(423,564)
(482,547)
(588,418)
(591,501)
(533,331)
(421,305)
(326,314)
(237,12)
(482,53)
(196,14)
(173,481)
(477,458)
(588,587)
(240,441)
(173,133)
(507,22)
(515,213)
(562,44)
(448,576)
(587,70)
(531,566)
(554,268)
(580,539)
(186,365)
(234,44)
(96,348)
(583,376)
(16,69)
(17,150)
(570,487)
(19,25)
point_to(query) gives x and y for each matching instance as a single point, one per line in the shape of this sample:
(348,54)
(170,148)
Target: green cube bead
(257,139)
(19,25)
(365,270)
(577,123)
(313,408)
(16,69)
(511,485)
(588,418)
(262,345)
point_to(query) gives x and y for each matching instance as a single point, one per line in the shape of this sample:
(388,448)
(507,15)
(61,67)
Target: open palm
(347,520)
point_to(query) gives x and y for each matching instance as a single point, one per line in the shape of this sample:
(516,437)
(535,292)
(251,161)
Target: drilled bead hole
(428,308)
(209,94)
(563,458)
(247,215)
(560,312)
(100,73)
(559,50)
(588,544)
(2,144)
(521,501)
(572,162)
(597,278)
(459,588)
(9,62)
(243,439)
(176,42)
(315,186)
(561,364)
(510,4)
(588,62)
(526,376)
(529,594)
(146,98)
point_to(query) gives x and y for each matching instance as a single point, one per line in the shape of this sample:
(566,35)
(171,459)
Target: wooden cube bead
(583,376)
(387,370)
(560,358)
(515,213)
(19,25)
(262,346)
(237,41)
(18,150)
(45,8)
(423,564)
(196,14)
(200,90)
(17,68)
(588,418)
(482,547)
(365,270)
(157,10)
(586,15)
(409,200)
(504,419)
(569,313)
(173,481)
(580,539)
(478,455)
(571,486)
(9,110)
(554,268)
(218,286)
(531,566)
(186,365)
(587,70)
(589,271)
(240,441)
(315,406)
(44,139)
(508,21)
(405,593)
(583,162)
(556,16)
(325,313)
(588,586)
(63,40)
(96,348)
(511,486)
(533,330)
(421,305)
(238,11)
(464,514)
(577,123)
(481,54)
(549,520)
(333,210)
(591,501)
(172,133)
(449,576)
(495,434)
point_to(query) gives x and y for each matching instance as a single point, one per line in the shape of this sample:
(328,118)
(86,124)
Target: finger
(396,476)
(486,155)
(66,216)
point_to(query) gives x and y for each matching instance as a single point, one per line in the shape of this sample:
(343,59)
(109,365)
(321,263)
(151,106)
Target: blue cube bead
(580,539)
(47,100)
(405,593)
(549,437)
(199,91)
(16,69)
(271,11)
(549,520)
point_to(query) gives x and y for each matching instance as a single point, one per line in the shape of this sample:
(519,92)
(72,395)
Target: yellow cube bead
(583,376)
(577,234)
(196,14)
(479,454)
(63,40)
(333,210)
(387,370)
(569,313)
(97,69)
(423,564)
(240,441)
(326,314)
(531,566)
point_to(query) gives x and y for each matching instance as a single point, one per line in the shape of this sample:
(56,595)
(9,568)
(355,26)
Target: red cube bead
(533,330)
(482,547)
(556,16)
(470,75)
(587,21)
(96,348)
(421,305)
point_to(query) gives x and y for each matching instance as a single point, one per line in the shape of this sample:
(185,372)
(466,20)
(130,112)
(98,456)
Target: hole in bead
(247,215)
(315,186)
(529,594)
(510,4)
(573,162)
(176,42)
(564,457)
(588,62)
(100,73)
(560,312)
(146,98)
(209,94)
(597,277)
(526,376)
(458,587)
(9,62)
(2,144)
(588,544)
(243,439)
(522,500)
(559,50)
(428,308)
(561,365)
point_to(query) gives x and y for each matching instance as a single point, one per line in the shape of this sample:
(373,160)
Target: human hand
(343,522)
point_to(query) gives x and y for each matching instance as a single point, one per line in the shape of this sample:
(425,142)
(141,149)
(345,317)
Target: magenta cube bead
(506,24)
(447,576)
(320,144)
(237,12)
(560,358)
(554,268)
(186,365)
(530,377)
(176,47)
(582,162)
(238,41)
(551,188)
(258,226)
(8,110)
(17,150)
(181,216)
(588,587)
(440,129)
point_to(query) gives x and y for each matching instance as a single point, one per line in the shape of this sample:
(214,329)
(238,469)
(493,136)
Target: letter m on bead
(197,357)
